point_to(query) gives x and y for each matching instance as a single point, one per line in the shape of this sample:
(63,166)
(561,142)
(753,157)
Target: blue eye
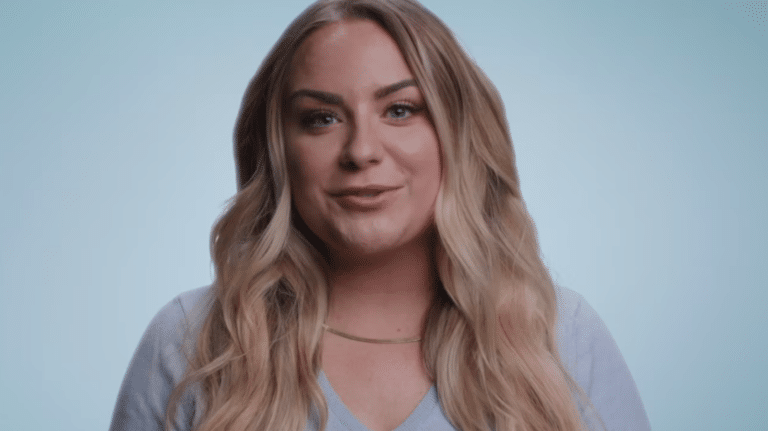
(314,120)
(400,111)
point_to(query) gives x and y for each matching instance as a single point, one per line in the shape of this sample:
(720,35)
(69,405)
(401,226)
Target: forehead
(352,53)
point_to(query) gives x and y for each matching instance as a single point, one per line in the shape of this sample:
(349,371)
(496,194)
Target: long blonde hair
(489,340)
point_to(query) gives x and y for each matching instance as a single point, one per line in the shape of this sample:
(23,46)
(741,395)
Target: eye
(402,110)
(317,119)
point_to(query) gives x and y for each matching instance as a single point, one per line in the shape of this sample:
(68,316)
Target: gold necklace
(371,340)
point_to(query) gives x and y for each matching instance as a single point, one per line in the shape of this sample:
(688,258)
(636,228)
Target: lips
(365,198)
(366,191)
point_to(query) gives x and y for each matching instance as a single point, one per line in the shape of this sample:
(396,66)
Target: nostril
(356,160)
(348,164)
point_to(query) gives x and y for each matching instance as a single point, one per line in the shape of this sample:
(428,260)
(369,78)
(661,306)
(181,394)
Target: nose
(363,147)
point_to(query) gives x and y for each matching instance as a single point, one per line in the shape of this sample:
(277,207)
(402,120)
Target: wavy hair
(258,351)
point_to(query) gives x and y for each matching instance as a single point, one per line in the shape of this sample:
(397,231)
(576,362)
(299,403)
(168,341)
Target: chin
(367,247)
(380,245)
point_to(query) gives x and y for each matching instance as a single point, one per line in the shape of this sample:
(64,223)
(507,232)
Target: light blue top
(587,350)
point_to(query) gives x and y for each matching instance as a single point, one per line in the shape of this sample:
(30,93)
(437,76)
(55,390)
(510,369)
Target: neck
(383,297)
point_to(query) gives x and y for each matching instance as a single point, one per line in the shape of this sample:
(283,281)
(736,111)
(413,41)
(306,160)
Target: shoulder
(578,324)
(592,357)
(187,306)
(568,305)
(190,308)
(580,330)
(179,319)
(159,364)
(570,329)
(177,323)
(172,333)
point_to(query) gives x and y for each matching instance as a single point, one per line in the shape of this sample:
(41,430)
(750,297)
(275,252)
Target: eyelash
(407,104)
(308,119)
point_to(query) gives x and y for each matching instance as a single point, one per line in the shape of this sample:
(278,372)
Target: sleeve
(603,375)
(157,367)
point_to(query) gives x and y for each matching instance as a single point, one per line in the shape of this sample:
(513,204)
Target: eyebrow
(335,99)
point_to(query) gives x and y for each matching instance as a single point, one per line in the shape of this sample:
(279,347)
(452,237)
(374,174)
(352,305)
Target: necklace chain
(371,340)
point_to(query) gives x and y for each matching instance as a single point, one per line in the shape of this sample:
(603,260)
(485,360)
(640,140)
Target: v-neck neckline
(413,422)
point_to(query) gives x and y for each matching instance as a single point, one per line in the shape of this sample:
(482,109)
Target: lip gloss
(366,201)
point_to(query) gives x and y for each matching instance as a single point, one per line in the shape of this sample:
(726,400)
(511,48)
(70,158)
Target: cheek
(432,165)
(308,176)
(302,169)
(418,147)
(301,184)
(295,173)
(424,155)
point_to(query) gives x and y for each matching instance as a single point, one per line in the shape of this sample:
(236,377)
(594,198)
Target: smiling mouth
(365,199)
(369,191)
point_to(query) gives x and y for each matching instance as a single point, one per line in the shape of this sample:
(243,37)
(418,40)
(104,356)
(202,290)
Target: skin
(357,118)
(363,140)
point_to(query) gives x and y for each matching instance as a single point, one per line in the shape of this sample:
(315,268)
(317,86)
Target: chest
(380,385)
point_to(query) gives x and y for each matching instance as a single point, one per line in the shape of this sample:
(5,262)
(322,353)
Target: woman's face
(364,158)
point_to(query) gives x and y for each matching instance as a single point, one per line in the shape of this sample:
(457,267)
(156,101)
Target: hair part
(258,352)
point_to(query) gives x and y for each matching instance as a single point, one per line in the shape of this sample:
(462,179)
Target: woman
(377,268)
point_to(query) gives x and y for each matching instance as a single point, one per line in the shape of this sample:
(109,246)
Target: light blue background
(640,129)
